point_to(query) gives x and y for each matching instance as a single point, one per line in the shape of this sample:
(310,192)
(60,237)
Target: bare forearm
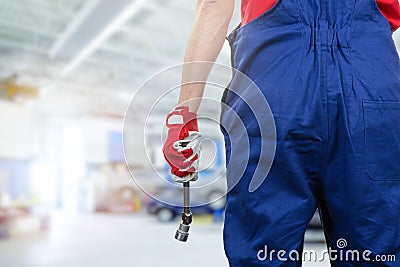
(204,45)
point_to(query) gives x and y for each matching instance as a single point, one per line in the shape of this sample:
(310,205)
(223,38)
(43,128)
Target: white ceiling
(63,48)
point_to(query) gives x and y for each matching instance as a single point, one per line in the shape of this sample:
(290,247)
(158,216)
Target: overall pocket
(382,140)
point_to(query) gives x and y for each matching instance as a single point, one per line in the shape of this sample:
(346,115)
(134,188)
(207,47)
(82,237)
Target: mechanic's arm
(205,44)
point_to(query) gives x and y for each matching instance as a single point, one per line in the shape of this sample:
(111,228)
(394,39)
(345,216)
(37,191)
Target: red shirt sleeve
(390,9)
(251,9)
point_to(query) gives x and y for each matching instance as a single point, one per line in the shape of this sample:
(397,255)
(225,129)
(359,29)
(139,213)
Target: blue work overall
(331,75)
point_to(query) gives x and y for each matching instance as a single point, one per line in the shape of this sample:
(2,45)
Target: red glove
(182,159)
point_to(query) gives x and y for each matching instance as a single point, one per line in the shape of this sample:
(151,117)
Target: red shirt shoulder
(390,9)
(251,9)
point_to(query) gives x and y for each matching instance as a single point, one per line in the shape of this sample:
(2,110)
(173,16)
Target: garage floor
(117,240)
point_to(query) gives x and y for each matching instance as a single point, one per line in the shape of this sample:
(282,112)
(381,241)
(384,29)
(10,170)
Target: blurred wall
(16,128)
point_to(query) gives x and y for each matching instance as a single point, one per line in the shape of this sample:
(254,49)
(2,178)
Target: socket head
(182,233)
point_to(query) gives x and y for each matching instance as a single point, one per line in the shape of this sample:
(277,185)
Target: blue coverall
(330,73)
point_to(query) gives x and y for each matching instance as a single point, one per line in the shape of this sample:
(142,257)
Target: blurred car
(207,195)
(167,213)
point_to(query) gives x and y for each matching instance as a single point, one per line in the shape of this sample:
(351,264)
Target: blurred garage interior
(68,71)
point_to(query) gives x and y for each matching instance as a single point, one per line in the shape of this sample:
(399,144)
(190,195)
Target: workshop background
(68,71)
